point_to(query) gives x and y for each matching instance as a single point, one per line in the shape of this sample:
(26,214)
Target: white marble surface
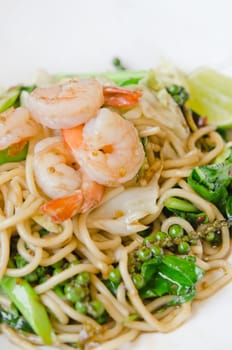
(84,35)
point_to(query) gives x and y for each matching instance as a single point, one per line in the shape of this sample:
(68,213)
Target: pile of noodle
(172,150)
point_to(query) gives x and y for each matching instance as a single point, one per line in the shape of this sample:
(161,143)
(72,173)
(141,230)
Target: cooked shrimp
(66,105)
(107,147)
(16,126)
(70,189)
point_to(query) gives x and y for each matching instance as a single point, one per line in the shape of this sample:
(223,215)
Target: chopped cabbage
(121,214)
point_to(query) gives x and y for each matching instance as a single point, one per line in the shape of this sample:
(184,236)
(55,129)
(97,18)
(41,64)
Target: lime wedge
(211,96)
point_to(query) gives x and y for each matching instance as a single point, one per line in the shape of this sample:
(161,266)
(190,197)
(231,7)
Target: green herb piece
(212,182)
(119,77)
(170,274)
(43,232)
(178,93)
(173,203)
(229,208)
(27,301)
(118,64)
(112,286)
(149,268)
(9,97)
(15,321)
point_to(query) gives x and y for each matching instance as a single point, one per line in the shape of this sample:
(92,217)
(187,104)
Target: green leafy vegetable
(149,268)
(120,77)
(130,81)
(229,208)
(146,232)
(226,154)
(173,203)
(212,182)
(27,301)
(170,274)
(36,275)
(14,320)
(11,97)
(186,210)
(28,88)
(112,286)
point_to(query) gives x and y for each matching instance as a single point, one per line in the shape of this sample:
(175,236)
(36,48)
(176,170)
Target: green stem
(27,301)
(117,77)
(174,203)
(9,97)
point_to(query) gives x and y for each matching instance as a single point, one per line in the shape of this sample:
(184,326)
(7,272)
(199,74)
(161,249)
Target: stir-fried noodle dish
(115,207)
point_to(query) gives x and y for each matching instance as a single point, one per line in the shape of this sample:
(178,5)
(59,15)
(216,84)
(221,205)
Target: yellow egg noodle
(100,219)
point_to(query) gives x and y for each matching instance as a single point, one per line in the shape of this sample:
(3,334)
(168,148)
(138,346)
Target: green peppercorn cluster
(175,240)
(77,292)
(180,242)
(211,232)
(137,258)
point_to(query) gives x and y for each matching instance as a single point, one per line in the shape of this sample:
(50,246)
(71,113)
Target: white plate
(75,35)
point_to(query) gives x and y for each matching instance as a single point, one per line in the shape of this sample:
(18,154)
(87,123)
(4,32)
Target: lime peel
(211,96)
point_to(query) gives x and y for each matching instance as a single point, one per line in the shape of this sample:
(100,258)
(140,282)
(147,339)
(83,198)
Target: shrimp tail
(118,97)
(61,209)
(73,137)
(93,193)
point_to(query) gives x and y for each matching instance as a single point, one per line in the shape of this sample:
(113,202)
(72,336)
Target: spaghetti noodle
(88,270)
